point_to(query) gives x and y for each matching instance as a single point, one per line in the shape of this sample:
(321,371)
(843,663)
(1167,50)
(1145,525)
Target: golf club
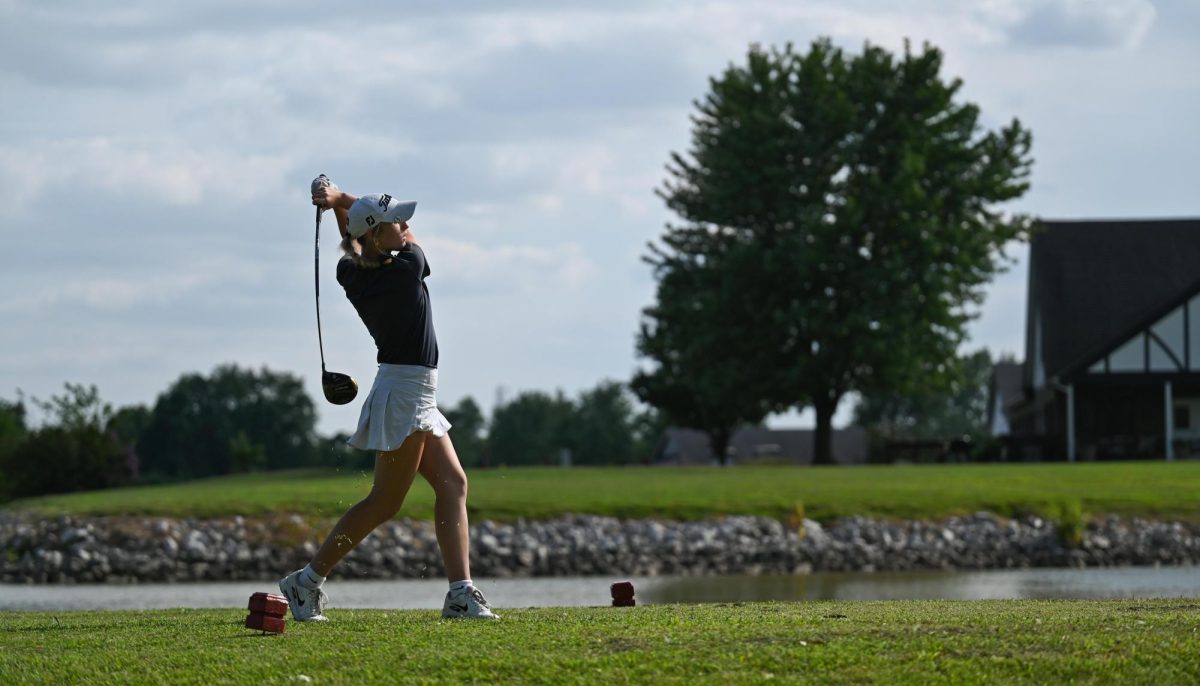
(339,388)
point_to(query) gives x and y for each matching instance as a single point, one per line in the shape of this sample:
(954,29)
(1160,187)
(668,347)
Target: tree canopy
(956,412)
(601,426)
(697,381)
(73,451)
(839,225)
(233,420)
(530,430)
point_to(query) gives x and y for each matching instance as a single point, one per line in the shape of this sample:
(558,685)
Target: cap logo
(370,221)
(385,200)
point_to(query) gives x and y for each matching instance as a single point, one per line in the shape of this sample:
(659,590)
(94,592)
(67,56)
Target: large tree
(697,345)
(840,210)
(235,419)
(530,430)
(601,429)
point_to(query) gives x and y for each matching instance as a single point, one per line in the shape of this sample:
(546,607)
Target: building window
(1183,417)
(1167,353)
(1160,358)
(1194,332)
(1130,357)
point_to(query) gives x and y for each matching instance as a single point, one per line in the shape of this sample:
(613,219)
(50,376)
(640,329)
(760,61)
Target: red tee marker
(622,594)
(267,612)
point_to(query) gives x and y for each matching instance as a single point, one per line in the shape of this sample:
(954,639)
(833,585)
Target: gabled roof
(1095,282)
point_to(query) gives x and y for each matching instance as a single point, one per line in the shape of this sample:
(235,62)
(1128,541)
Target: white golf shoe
(307,604)
(467,603)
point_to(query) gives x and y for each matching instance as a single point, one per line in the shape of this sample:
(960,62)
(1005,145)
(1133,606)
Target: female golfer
(383,272)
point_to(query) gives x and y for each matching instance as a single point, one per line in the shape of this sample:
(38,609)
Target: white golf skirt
(402,401)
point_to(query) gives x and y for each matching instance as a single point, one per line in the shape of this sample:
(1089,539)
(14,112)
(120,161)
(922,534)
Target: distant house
(1006,392)
(751,445)
(1112,344)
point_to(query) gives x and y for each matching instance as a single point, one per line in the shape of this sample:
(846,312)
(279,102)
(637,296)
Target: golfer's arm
(341,210)
(343,220)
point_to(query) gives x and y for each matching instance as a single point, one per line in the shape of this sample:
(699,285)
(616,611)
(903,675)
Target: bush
(1071,520)
(74,451)
(245,455)
(58,459)
(12,433)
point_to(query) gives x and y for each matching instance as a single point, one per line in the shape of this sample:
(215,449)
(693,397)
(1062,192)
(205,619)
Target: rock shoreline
(154,549)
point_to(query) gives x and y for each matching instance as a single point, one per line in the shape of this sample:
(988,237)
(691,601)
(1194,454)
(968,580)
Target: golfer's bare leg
(440,467)
(394,474)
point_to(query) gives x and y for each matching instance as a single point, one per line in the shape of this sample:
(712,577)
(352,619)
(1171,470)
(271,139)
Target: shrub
(1071,522)
(57,459)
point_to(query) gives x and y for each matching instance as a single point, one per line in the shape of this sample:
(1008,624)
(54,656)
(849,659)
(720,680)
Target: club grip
(321,181)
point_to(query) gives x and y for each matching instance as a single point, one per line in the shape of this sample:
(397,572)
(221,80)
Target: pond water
(1121,582)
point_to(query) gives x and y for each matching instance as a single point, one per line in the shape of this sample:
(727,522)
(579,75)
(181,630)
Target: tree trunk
(824,406)
(719,440)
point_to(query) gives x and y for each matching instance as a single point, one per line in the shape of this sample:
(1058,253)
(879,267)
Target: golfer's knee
(452,486)
(381,507)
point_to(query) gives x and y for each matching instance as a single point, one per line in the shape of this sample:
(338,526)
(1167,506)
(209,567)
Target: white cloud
(1073,23)
(139,286)
(474,268)
(175,171)
(582,168)
(590,170)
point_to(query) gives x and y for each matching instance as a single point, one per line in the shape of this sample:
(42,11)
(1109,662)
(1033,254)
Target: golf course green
(892,642)
(1146,489)
(897,642)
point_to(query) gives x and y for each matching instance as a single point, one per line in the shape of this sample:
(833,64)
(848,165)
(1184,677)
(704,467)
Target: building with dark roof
(1112,344)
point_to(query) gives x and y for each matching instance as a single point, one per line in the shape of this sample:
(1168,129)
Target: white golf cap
(370,210)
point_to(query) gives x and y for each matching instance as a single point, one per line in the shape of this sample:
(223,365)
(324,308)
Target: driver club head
(339,388)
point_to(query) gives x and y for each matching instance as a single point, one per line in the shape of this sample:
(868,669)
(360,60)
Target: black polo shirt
(394,304)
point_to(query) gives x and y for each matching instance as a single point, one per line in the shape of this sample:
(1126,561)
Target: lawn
(893,642)
(1150,489)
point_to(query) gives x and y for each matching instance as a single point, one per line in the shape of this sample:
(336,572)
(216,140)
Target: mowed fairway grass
(895,642)
(1149,489)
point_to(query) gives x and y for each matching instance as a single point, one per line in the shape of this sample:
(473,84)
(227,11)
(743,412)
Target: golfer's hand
(327,196)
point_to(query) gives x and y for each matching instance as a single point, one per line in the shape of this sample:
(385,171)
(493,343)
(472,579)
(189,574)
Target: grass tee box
(1150,489)
(897,642)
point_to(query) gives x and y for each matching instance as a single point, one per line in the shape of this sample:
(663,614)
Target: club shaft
(317,286)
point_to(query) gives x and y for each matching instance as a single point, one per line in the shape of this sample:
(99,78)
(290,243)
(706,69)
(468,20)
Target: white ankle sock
(310,579)
(456,586)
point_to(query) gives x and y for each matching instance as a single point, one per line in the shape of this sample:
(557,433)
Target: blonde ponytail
(353,249)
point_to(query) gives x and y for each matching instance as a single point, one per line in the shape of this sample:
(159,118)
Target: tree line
(240,420)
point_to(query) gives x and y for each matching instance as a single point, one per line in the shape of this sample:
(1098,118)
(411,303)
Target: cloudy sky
(156,159)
